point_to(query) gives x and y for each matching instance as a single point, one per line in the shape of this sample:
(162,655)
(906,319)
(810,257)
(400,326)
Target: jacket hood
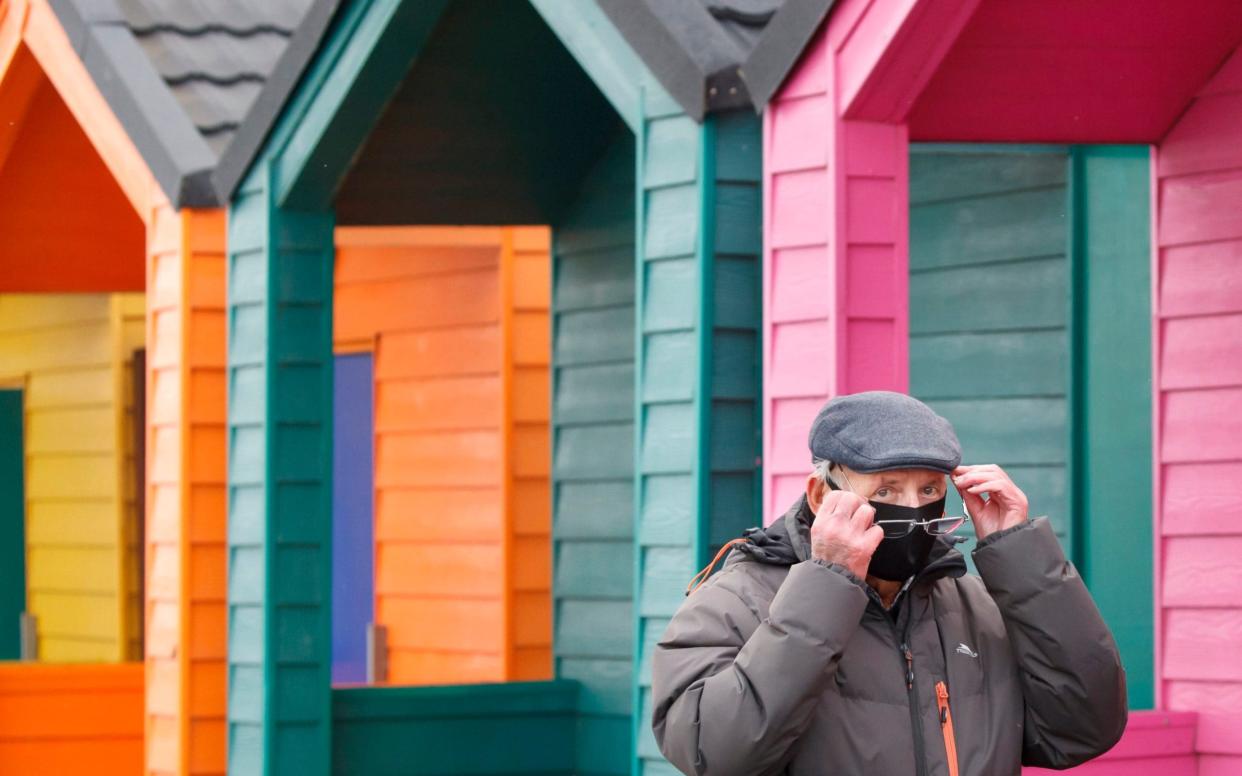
(788,541)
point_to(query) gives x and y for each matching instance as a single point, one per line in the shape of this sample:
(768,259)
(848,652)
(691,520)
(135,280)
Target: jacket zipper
(946,726)
(912,690)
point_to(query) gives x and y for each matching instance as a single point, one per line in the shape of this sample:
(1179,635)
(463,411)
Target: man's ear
(815,488)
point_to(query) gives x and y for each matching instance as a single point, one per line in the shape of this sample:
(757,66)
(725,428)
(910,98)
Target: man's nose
(910,499)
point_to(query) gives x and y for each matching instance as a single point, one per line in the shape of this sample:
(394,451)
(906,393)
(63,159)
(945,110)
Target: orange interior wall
(91,240)
(62,719)
(458,321)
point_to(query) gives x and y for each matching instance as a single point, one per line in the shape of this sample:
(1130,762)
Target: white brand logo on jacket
(962,649)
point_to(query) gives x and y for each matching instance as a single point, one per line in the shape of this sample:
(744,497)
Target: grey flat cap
(877,431)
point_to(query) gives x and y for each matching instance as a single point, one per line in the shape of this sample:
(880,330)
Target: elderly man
(847,638)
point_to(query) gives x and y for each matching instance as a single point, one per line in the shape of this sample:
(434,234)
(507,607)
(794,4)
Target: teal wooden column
(12,524)
(280,466)
(696,410)
(1111,393)
(592,457)
(280,271)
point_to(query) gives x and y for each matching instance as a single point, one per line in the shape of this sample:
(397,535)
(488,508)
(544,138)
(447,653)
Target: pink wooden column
(1197,357)
(835,218)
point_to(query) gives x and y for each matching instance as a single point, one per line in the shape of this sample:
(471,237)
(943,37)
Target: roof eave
(165,137)
(702,79)
(263,114)
(780,47)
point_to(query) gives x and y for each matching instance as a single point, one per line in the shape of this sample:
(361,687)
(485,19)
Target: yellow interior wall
(70,353)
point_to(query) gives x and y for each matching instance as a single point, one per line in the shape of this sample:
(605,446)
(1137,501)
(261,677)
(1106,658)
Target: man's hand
(843,533)
(1005,506)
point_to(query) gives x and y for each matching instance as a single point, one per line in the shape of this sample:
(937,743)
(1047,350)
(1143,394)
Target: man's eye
(882,492)
(930,490)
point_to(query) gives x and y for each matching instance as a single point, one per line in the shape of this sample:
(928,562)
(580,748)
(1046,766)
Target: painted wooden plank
(594,629)
(65,719)
(1211,699)
(974,172)
(1200,279)
(1193,209)
(1197,568)
(1202,425)
(1028,362)
(1197,644)
(940,300)
(594,570)
(583,393)
(1200,499)
(594,336)
(992,227)
(1201,352)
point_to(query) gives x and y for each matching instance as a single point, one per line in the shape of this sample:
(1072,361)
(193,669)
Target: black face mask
(896,560)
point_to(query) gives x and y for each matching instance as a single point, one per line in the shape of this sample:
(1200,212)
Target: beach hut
(1067,296)
(112,119)
(533,114)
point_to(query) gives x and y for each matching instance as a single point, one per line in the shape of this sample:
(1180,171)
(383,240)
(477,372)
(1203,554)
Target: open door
(353,578)
(12,525)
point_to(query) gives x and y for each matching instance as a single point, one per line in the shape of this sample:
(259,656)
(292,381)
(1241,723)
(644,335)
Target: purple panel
(353,517)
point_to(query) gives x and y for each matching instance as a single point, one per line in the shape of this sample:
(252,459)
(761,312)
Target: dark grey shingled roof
(700,50)
(696,48)
(183,76)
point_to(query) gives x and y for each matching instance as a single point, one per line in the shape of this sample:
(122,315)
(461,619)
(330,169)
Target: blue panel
(353,516)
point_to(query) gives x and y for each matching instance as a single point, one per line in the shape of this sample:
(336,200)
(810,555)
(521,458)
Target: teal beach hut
(621,127)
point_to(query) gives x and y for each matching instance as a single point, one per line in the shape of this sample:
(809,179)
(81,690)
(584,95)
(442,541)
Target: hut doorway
(1029,284)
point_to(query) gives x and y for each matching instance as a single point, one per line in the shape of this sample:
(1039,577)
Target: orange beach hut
(112,121)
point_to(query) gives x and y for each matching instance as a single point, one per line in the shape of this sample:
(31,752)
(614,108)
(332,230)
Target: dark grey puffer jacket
(780,664)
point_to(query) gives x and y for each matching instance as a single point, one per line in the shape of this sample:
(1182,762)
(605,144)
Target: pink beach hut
(1025,211)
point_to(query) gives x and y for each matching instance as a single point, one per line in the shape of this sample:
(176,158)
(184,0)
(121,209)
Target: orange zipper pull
(946,726)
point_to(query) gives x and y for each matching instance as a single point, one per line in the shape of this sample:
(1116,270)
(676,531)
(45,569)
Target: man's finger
(844,502)
(830,505)
(864,515)
(974,476)
(995,487)
(974,504)
(872,537)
